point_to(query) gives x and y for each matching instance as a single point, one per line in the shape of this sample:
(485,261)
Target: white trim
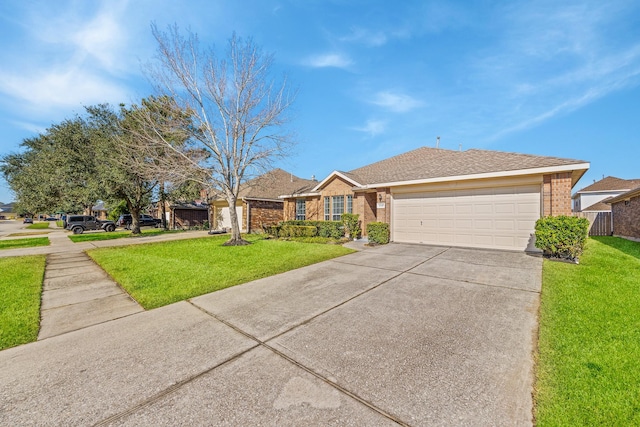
(258,199)
(600,191)
(291,196)
(501,174)
(331,175)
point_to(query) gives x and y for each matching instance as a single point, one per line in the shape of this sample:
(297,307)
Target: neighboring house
(98,210)
(258,201)
(7,212)
(181,214)
(474,198)
(625,210)
(589,198)
(185,215)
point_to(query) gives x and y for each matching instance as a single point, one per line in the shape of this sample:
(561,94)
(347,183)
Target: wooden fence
(600,222)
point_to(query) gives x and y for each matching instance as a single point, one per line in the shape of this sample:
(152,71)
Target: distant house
(625,210)
(6,211)
(593,197)
(258,201)
(187,214)
(474,198)
(98,210)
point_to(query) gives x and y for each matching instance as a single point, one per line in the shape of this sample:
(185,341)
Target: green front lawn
(20,288)
(588,369)
(38,226)
(158,274)
(24,243)
(103,235)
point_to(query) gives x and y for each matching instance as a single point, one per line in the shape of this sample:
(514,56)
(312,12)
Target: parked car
(27,221)
(145,221)
(78,224)
(51,218)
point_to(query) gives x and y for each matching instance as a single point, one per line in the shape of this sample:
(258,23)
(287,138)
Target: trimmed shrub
(562,236)
(333,229)
(351,224)
(298,231)
(272,230)
(378,232)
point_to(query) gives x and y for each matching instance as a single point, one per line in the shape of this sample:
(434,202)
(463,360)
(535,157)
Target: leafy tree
(236,110)
(56,170)
(118,171)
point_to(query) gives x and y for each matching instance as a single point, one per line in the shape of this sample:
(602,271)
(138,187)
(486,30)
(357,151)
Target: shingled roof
(428,163)
(273,184)
(611,183)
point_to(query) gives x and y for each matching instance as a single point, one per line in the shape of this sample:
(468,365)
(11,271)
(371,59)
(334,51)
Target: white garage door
(498,218)
(225,220)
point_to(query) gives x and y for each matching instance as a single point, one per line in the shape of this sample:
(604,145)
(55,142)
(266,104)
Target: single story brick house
(625,210)
(472,198)
(258,202)
(593,198)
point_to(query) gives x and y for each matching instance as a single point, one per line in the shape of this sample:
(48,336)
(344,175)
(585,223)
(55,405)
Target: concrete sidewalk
(394,335)
(76,292)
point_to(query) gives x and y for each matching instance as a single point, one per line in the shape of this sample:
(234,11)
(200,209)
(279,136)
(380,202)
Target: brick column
(557,194)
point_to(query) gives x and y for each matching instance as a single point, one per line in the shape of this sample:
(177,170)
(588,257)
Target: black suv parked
(81,223)
(145,221)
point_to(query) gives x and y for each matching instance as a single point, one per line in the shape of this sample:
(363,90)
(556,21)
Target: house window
(327,209)
(300,210)
(338,207)
(349,204)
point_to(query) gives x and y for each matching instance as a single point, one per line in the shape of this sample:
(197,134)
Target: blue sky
(375,78)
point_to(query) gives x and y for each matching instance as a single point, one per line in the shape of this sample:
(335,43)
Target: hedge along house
(258,202)
(473,198)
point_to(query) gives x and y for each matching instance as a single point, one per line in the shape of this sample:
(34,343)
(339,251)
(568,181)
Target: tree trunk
(135,220)
(164,208)
(236,237)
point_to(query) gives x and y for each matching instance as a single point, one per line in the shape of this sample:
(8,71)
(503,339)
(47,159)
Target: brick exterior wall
(364,203)
(626,218)
(556,197)
(262,212)
(188,217)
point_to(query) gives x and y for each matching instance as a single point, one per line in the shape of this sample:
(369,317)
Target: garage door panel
(505,208)
(501,218)
(464,224)
(483,224)
(529,207)
(483,208)
(505,224)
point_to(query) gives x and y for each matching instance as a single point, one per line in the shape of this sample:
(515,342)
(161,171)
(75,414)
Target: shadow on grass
(628,247)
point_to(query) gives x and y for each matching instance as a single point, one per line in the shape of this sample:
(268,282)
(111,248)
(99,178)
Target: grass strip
(102,235)
(24,243)
(588,370)
(38,226)
(20,289)
(158,274)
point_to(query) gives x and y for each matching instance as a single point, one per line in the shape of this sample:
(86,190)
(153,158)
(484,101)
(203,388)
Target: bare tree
(237,110)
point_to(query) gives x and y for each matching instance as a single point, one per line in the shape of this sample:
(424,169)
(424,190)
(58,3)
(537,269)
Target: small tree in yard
(237,111)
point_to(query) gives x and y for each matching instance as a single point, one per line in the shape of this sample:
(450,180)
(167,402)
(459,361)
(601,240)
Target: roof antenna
(291,176)
(460,147)
(437,142)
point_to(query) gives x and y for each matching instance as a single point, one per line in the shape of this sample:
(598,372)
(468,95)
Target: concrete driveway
(399,334)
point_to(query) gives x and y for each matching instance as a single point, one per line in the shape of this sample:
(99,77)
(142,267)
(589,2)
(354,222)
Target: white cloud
(372,127)
(335,60)
(396,102)
(550,61)
(364,36)
(47,91)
